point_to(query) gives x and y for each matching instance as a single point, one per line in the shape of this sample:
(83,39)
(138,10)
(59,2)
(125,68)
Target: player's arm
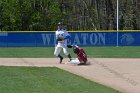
(84,53)
(67,36)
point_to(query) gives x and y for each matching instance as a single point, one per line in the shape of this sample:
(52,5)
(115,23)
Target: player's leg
(75,61)
(66,52)
(57,53)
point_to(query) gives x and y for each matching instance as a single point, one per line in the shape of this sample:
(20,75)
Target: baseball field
(36,70)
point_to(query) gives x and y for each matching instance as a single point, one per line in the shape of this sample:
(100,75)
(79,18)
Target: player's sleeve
(67,36)
(83,52)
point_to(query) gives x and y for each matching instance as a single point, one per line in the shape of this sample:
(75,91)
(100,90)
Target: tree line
(43,15)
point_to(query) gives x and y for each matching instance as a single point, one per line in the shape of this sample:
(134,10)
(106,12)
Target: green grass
(97,52)
(29,52)
(46,80)
(54,80)
(113,52)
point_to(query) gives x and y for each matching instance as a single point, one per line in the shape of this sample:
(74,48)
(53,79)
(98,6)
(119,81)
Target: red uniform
(82,57)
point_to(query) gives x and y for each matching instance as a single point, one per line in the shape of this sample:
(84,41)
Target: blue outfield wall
(44,39)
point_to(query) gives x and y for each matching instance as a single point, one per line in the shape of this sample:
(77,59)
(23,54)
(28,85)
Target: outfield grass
(113,52)
(46,80)
(97,52)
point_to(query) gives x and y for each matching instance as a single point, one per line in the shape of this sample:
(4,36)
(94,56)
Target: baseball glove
(59,39)
(69,46)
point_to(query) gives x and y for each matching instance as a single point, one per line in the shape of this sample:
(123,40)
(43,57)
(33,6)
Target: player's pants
(75,61)
(58,50)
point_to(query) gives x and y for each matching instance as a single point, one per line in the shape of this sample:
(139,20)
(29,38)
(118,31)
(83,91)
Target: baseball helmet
(76,50)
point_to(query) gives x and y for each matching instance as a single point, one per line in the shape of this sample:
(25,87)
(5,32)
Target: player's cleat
(82,63)
(61,60)
(70,60)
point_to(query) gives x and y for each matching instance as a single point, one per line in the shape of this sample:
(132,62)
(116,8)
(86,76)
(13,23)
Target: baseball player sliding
(80,54)
(61,42)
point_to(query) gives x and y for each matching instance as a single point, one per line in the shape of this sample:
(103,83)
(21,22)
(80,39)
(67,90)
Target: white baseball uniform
(61,44)
(74,61)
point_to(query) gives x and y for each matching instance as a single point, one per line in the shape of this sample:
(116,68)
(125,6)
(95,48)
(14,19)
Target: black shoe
(61,60)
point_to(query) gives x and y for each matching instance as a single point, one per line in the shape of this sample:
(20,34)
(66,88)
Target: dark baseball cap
(60,23)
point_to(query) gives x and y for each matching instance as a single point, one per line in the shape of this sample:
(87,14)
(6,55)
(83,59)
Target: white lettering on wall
(84,37)
(46,38)
(101,38)
(93,39)
(79,39)
(97,38)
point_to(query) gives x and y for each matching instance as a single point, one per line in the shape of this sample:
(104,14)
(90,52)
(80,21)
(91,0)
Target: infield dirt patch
(119,73)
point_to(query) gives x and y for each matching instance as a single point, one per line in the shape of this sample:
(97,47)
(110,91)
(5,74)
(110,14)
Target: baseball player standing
(61,42)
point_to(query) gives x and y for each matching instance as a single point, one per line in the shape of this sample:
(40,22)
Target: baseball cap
(60,23)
